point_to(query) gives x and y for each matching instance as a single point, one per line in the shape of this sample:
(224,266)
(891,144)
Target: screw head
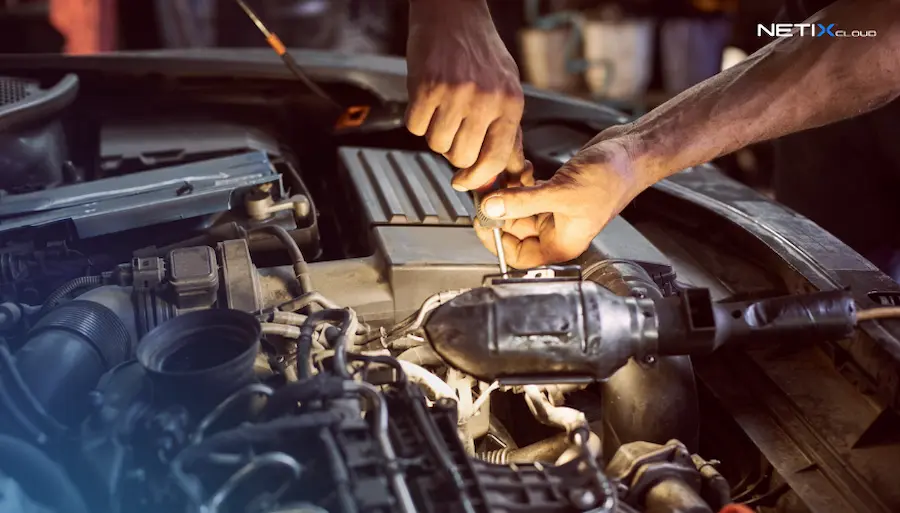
(583,499)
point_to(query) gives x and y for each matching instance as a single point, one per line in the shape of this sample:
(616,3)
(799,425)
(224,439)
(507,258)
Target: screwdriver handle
(478,197)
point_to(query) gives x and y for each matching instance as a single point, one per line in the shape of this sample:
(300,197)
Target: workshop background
(632,54)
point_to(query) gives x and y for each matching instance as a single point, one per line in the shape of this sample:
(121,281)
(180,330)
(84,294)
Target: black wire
(778,490)
(299,263)
(298,72)
(304,342)
(752,488)
(402,325)
(67,288)
(383,360)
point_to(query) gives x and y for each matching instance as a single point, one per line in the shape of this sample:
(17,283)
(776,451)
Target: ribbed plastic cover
(406,188)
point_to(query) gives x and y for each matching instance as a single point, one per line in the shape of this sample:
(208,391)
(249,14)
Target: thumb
(522,202)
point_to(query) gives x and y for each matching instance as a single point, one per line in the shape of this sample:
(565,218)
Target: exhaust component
(521,330)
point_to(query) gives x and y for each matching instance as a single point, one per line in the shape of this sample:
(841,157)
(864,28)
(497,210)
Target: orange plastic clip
(353,117)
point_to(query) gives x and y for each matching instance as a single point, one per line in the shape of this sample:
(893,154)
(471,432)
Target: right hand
(555,220)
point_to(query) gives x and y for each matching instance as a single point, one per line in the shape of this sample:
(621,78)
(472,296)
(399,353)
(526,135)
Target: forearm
(793,84)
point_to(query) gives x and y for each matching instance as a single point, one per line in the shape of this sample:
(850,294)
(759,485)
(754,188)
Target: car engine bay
(205,311)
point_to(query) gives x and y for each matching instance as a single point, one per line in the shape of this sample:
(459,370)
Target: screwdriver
(493,224)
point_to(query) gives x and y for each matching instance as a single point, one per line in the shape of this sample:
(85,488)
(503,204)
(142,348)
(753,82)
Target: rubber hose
(301,270)
(304,343)
(68,351)
(67,288)
(39,477)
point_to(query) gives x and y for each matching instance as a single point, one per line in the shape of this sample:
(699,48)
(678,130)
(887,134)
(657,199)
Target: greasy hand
(464,89)
(555,220)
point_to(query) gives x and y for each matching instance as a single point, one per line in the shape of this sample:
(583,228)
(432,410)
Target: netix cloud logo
(809,30)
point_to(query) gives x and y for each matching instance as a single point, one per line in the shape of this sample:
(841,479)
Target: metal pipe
(291,318)
(548,414)
(438,388)
(421,355)
(271,459)
(547,450)
(282,330)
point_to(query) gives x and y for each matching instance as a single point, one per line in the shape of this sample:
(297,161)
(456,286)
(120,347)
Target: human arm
(792,84)
(464,89)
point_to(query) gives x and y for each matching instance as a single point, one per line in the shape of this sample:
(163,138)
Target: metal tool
(276,44)
(493,224)
(351,117)
(501,256)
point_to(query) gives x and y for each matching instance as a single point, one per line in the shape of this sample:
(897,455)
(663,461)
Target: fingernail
(460,188)
(494,207)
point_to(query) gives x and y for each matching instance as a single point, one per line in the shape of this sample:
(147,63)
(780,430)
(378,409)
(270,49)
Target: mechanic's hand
(555,220)
(464,89)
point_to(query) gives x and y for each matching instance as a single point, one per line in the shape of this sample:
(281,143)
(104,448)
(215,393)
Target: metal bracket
(547,273)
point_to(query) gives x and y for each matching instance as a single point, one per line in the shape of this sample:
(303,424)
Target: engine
(303,408)
(188,330)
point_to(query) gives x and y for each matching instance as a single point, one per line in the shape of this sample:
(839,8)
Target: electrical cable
(415,320)
(66,289)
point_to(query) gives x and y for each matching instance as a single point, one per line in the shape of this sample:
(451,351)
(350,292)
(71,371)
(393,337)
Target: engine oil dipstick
(351,117)
(289,61)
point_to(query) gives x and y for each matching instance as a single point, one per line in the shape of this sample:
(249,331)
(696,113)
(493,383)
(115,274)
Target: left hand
(464,90)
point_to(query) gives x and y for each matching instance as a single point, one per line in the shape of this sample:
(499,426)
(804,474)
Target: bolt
(649,359)
(583,499)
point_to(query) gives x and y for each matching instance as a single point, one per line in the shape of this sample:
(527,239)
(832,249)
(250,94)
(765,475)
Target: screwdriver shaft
(501,256)
(493,224)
